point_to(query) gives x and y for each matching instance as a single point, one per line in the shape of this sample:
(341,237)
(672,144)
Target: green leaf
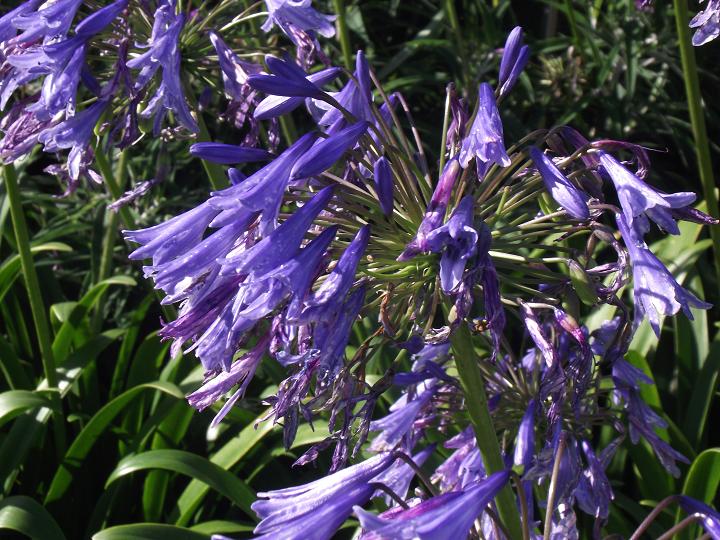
(64,337)
(701,483)
(87,438)
(148,531)
(227,457)
(12,368)
(10,269)
(702,395)
(27,429)
(192,465)
(219,526)
(26,516)
(15,402)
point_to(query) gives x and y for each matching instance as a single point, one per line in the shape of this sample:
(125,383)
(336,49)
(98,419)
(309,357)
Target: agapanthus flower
(228,154)
(449,515)
(655,290)
(403,413)
(565,194)
(299,14)
(515,56)
(314,511)
(484,141)
(383,178)
(457,241)
(286,79)
(355,97)
(50,20)
(639,201)
(399,476)
(163,52)
(263,191)
(435,212)
(74,133)
(241,372)
(707,23)
(274,106)
(525,441)
(60,60)
(710,518)
(326,152)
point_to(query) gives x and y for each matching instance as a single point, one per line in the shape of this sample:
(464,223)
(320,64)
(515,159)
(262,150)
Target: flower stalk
(476,401)
(697,121)
(37,306)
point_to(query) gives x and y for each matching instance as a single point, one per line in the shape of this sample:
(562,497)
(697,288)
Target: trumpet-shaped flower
(484,141)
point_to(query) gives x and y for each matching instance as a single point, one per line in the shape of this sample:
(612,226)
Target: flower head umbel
(348,222)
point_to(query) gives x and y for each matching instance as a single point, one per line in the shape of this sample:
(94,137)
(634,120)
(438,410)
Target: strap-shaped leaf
(15,402)
(148,531)
(192,465)
(87,438)
(26,516)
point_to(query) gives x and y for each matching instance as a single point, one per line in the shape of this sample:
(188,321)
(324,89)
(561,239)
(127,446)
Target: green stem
(125,215)
(112,220)
(342,29)
(113,187)
(37,306)
(473,386)
(697,119)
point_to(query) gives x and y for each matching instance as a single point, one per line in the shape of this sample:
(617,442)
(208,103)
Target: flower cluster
(69,79)
(349,220)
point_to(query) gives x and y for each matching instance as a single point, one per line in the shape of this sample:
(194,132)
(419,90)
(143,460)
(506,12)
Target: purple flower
(173,238)
(355,97)
(638,200)
(62,60)
(485,139)
(314,511)
(331,336)
(707,23)
(450,515)
(398,423)
(163,51)
(457,241)
(400,474)
(435,212)
(537,334)
(655,290)
(235,73)
(710,517)
(241,371)
(327,151)
(594,492)
(383,178)
(525,442)
(273,106)
(52,20)
(287,79)
(324,302)
(8,26)
(641,418)
(280,245)
(515,56)
(228,154)
(299,14)
(74,133)
(565,194)
(263,191)
(21,129)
